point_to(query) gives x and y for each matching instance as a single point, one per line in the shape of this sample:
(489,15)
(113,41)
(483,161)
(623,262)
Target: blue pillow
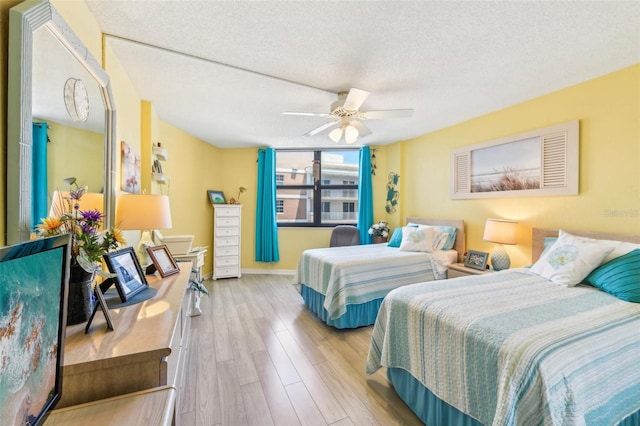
(396,238)
(451,239)
(620,277)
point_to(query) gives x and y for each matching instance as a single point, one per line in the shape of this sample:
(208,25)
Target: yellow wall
(609,200)
(607,107)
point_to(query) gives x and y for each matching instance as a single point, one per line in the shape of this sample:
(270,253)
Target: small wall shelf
(159,177)
(160,153)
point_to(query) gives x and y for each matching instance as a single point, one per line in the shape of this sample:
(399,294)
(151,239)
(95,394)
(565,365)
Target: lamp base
(500,259)
(141,250)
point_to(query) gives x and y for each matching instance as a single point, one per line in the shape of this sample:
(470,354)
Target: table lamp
(501,232)
(144,212)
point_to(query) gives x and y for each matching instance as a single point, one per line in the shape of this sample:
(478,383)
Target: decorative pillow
(570,259)
(417,239)
(451,236)
(619,277)
(396,238)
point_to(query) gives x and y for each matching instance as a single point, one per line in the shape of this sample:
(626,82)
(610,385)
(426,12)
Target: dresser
(226,240)
(147,349)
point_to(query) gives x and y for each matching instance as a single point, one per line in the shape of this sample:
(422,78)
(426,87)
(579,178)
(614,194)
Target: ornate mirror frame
(24,20)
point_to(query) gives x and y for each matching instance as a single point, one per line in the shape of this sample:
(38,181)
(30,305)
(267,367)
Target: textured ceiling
(224,71)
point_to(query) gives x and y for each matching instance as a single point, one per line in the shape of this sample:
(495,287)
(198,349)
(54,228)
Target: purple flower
(92,215)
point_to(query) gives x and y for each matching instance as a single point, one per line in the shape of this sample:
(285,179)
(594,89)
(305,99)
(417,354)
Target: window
(317,187)
(279,206)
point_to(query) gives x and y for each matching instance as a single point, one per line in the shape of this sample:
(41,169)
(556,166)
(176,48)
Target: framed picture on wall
(216,197)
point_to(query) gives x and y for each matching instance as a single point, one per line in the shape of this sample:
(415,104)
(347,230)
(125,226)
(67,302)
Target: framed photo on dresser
(130,279)
(476,260)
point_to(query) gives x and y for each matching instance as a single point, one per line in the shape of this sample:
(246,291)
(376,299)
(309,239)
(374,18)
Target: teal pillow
(451,239)
(620,277)
(396,238)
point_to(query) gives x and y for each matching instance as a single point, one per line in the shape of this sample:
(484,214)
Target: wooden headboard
(540,233)
(459,245)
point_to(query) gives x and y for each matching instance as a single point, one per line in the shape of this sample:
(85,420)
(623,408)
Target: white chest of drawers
(226,240)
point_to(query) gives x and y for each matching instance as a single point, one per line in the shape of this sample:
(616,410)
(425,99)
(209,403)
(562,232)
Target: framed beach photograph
(476,260)
(130,279)
(216,197)
(162,260)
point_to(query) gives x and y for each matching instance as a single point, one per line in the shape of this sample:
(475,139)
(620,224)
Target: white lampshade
(88,201)
(143,212)
(351,134)
(336,134)
(500,231)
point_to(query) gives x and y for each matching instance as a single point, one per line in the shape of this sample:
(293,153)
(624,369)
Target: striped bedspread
(511,348)
(359,274)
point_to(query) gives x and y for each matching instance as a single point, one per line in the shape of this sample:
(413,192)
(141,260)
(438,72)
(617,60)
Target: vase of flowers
(379,231)
(88,244)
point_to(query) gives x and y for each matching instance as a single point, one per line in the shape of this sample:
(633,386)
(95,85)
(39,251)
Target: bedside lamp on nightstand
(502,232)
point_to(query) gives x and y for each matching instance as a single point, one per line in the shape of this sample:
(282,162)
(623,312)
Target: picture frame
(163,261)
(216,197)
(101,303)
(130,278)
(476,260)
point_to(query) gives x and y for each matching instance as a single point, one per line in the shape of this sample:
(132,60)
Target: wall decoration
(392,192)
(540,162)
(130,181)
(374,161)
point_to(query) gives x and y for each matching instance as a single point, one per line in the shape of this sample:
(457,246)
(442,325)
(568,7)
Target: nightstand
(459,270)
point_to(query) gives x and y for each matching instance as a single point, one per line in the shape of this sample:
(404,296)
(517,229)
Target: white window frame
(559,163)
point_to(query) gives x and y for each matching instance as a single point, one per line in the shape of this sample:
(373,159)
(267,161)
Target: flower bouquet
(379,231)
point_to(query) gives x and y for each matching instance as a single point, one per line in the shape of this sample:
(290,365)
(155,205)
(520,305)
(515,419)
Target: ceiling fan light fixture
(336,134)
(351,134)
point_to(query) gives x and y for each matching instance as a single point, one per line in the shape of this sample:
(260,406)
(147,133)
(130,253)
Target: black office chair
(344,235)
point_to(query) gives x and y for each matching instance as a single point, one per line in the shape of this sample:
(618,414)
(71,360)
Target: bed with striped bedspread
(358,274)
(511,348)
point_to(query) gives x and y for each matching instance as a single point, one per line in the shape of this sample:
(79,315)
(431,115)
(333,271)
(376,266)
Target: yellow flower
(50,226)
(117,235)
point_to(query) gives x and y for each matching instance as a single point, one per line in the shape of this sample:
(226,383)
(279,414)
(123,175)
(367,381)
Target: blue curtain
(266,222)
(39,197)
(365,196)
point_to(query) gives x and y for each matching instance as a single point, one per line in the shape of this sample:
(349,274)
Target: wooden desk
(148,407)
(147,349)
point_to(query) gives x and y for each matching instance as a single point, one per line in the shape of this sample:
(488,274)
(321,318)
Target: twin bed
(345,286)
(524,346)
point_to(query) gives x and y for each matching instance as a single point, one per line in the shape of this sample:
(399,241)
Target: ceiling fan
(346,116)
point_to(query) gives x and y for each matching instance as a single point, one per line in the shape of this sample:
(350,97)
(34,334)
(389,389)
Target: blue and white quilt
(358,274)
(512,348)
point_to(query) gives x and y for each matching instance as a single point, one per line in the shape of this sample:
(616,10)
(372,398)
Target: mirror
(32,24)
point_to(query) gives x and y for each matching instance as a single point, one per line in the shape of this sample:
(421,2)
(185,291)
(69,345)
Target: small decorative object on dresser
(163,261)
(379,231)
(216,197)
(476,260)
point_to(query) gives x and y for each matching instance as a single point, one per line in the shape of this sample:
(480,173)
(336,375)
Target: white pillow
(570,259)
(440,237)
(417,239)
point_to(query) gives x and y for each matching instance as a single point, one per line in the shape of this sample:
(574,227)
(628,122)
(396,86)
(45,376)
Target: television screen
(34,279)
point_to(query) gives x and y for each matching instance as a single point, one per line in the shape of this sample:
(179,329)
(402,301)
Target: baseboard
(269,271)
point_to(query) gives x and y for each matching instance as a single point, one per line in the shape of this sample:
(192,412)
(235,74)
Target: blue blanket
(511,348)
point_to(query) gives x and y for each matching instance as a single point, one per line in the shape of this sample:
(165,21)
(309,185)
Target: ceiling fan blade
(362,129)
(355,99)
(310,114)
(325,126)
(387,113)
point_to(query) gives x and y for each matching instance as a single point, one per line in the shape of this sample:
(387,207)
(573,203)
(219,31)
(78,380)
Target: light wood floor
(259,357)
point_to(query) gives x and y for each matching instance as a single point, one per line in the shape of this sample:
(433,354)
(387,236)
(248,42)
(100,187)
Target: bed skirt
(356,316)
(433,411)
